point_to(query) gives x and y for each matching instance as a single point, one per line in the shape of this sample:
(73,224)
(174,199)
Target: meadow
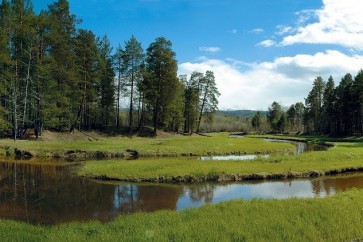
(94,145)
(334,218)
(175,158)
(342,157)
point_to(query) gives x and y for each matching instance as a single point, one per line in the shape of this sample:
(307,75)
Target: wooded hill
(241,113)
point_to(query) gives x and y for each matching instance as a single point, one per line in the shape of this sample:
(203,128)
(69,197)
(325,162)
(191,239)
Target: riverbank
(344,157)
(334,218)
(95,146)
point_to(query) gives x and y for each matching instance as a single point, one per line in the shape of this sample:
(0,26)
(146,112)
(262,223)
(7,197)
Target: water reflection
(233,157)
(129,198)
(332,185)
(49,194)
(301,147)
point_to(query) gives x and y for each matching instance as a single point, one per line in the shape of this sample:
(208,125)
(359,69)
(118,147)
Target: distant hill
(240,113)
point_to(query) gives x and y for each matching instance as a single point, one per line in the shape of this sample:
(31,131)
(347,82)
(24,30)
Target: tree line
(328,109)
(56,76)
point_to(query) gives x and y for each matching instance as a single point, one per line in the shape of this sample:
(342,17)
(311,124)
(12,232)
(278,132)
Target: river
(50,194)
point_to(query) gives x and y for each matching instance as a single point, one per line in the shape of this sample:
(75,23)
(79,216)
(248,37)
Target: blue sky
(260,51)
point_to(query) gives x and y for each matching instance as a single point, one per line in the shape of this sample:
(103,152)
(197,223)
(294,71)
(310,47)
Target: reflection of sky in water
(233,157)
(186,202)
(267,190)
(30,193)
(300,148)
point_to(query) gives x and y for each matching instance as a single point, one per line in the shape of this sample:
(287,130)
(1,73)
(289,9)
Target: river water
(301,147)
(50,194)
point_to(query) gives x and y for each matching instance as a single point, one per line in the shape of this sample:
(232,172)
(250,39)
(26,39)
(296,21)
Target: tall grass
(336,218)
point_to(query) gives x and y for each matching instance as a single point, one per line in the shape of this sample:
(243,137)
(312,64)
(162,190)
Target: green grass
(336,218)
(169,145)
(343,155)
(314,138)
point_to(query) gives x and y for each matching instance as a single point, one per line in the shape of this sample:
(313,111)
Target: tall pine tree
(161,81)
(62,109)
(133,59)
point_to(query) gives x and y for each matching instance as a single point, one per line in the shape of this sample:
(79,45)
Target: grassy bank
(341,158)
(336,218)
(319,139)
(97,146)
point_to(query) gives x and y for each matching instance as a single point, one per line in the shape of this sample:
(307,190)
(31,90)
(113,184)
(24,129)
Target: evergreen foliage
(328,109)
(56,76)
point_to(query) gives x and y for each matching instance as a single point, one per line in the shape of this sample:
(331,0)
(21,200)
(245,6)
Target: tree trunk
(202,109)
(15,116)
(156,115)
(82,104)
(131,100)
(141,119)
(26,94)
(118,95)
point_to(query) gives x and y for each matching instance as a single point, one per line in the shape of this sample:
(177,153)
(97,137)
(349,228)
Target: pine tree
(209,94)
(257,121)
(160,80)
(42,79)
(86,52)
(133,58)
(274,116)
(191,101)
(62,109)
(291,116)
(358,92)
(120,86)
(6,64)
(106,82)
(314,103)
(344,105)
(328,110)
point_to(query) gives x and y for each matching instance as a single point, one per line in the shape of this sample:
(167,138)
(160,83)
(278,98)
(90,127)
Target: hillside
(241,113)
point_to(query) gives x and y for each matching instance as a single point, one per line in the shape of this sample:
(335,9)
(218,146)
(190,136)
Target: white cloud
(287,79)
(209,49)
(233,31)
(338,22)
(282,29)
(267,43)
(257,31)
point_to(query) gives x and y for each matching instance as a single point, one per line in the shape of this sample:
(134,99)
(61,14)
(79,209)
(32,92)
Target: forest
(328,109)
(56,76)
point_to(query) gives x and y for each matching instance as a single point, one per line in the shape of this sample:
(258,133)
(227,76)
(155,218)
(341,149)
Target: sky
(260,51)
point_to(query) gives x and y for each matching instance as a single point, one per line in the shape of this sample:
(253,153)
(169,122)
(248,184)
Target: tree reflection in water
(49,194)
(133,198)
(340,183)
(204,192)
